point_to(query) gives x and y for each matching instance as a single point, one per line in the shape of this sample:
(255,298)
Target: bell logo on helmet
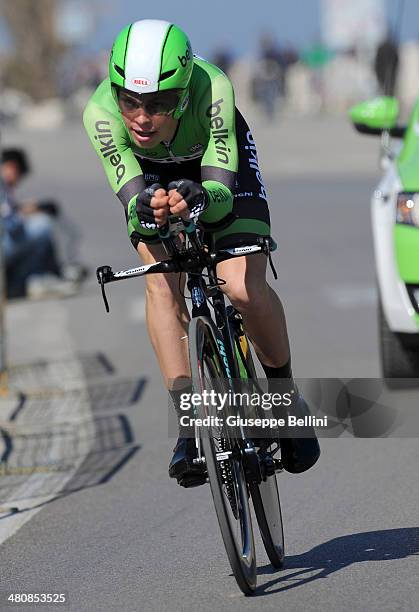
(141,81)
(185,58)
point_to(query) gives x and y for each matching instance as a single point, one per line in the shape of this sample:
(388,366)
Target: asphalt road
(116,533)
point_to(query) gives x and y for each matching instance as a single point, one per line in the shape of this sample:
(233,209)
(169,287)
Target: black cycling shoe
(187,473)
(299,454)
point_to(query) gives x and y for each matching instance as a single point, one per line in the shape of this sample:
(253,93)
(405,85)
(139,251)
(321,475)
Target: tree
(32,66)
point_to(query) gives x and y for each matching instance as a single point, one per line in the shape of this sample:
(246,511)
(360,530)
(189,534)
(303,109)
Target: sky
(235,23)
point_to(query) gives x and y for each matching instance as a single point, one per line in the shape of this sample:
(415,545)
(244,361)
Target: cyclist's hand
(187,199)
(152,207)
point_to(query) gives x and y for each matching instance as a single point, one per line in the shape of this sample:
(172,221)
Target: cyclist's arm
(220,160)
(111,142)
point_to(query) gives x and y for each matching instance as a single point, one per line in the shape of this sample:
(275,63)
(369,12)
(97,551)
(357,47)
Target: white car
(395,223)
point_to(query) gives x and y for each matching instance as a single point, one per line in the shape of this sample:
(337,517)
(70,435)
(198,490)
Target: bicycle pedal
(268,466)
(278,465)
(192,480)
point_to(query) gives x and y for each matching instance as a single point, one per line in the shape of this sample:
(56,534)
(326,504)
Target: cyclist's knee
(162,289)
(245,292)
(150,253)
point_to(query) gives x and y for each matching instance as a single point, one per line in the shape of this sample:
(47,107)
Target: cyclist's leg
(259,305)
(167,323)
(261,309)
(247,289)
(167,317)
(264,322)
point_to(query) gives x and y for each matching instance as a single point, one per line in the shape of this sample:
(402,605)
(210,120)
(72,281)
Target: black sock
(284,371)
(279,381)
(185,431)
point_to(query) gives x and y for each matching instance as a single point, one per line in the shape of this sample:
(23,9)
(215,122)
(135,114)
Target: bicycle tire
(267,506)
(265,496)
(236,531)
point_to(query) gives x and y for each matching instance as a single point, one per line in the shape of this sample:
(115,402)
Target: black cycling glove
(145,213)
(194,195)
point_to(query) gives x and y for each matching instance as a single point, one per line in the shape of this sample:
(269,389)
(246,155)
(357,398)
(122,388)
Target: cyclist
(165,115)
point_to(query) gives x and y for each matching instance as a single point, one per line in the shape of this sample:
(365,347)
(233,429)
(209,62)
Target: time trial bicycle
(238,466)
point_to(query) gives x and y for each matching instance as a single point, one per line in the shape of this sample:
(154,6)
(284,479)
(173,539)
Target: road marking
(351,296)
(50,335)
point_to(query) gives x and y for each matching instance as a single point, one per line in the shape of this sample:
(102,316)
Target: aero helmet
(150,56)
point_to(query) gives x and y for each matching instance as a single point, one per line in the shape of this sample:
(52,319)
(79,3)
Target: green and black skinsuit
(212,146)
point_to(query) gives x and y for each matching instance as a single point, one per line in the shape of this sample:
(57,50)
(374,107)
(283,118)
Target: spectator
(223,59)
(386,65)
(268,84)
(32,266)
(316,58)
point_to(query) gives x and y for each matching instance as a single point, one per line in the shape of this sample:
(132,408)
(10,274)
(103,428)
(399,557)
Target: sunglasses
(159,103)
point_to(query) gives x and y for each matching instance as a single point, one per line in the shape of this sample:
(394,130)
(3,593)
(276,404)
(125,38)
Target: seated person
(29,240)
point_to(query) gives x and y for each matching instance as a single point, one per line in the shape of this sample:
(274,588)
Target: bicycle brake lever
(105,299)
(268,244)
(104,275)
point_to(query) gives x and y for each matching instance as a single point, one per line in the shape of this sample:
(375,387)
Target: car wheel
(398,359)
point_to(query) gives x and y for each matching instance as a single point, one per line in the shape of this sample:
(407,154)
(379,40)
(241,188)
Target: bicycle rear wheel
(265,496)
(222,452)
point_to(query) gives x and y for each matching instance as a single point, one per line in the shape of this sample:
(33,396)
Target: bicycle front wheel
(265,495)
(222,453)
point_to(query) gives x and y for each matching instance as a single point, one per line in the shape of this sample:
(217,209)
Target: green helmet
(152,55)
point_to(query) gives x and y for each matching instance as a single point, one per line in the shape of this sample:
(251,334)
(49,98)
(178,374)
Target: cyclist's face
(148,119)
